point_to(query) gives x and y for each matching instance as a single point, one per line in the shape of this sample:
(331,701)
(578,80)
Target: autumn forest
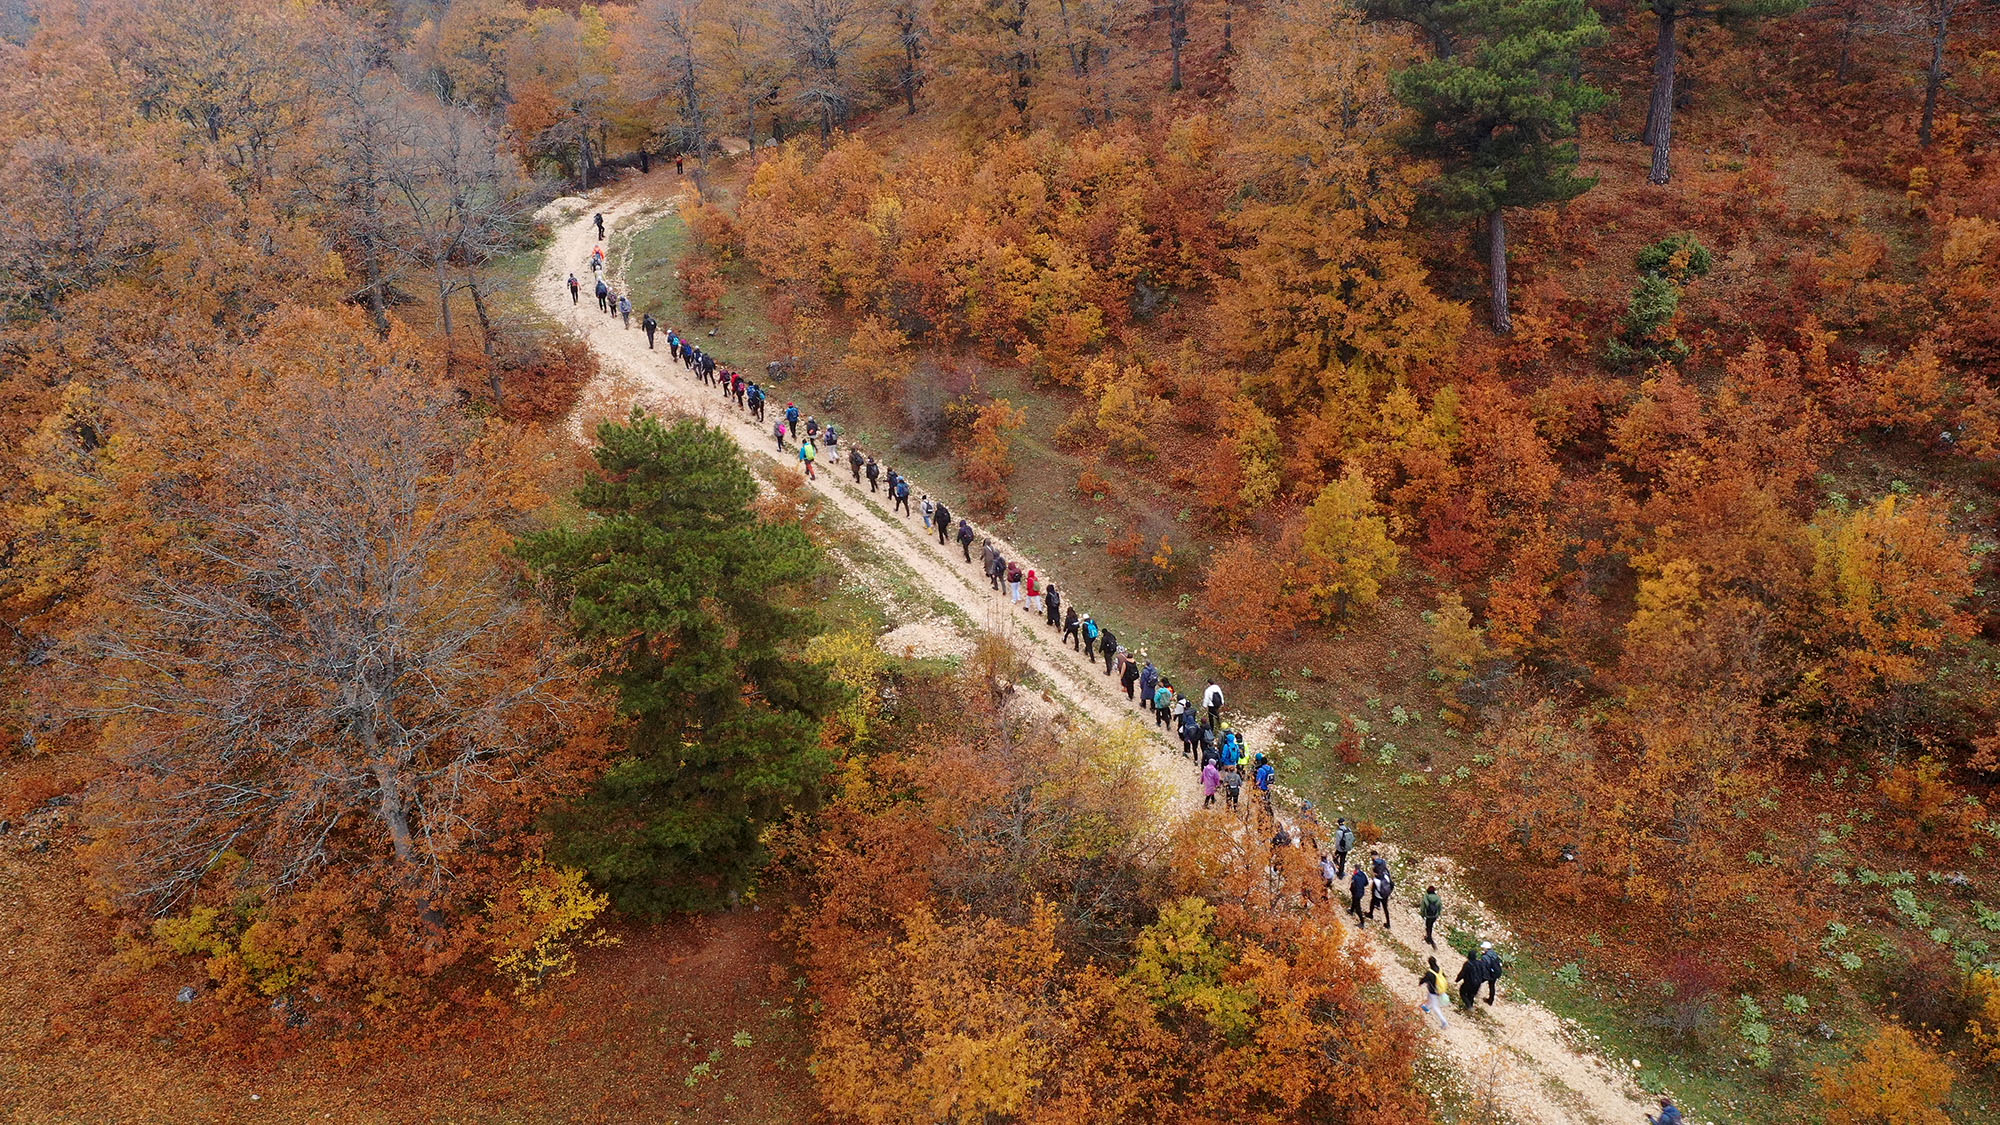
(1565,432)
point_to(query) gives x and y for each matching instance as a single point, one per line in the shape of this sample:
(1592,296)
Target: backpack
(1345,840)
(1090,629)
(1438,983)
(902,489)
(1490,961)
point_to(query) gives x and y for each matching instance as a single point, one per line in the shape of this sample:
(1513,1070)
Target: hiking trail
(1518,1057)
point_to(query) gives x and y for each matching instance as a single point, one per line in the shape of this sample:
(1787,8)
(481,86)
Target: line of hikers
(1217,750)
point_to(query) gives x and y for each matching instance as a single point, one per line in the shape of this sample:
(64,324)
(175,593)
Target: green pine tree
(1500,117)
(692,605)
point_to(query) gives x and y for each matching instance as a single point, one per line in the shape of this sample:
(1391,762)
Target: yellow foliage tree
(878,353)
(1888,579)
(1346,548)
(1894,1080)
(1456,645)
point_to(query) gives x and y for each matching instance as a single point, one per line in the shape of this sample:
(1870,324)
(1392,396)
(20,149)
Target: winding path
(1518,1057)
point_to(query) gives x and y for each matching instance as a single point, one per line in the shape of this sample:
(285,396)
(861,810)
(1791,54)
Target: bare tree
(1937,20)
(350,183)
(463,202)
(323,670)
(74,223)
(670,34)
(822,36)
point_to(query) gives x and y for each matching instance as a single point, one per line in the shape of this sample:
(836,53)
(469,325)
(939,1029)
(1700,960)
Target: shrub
(538,921)
(1679,258)
(701,287)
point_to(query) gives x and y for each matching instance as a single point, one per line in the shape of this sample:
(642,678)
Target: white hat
(1485,945)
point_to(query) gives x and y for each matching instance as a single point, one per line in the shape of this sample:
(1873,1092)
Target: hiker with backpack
(1357,885)
(575,289)
(600,226)
(903,494)
(1435,990)
(603,296)
(1107,643)
(1343,843)
(1014,581)
(1052,605)
(1232,785)
(1072,630)
(1490,968)
(1433,909)
(1149,679)
(1092,631)
(1163,703)
(854,462)
(1190,733)
(873,471)
(926,507)
(808,453)
(1379,889)
(989,562)
(778,431)
(652,327)
(965,537)
(1470,977)
(1032,587)
(942,520)
(1211,698)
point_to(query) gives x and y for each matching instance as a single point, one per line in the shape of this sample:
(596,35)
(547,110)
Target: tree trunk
(1849,27)
(444,300)
(1177,34)
(486,333)
(583,157)
(1934,78)
(1503,320)
(1660,116)
(1228,28)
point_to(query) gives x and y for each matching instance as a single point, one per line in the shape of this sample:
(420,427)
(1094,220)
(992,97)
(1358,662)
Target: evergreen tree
(1500,116)
(692,605)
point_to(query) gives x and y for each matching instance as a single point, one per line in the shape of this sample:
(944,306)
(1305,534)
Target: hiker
(942,519)
(625,310)
(812,427)
(778,431)
(600,226)
(874,472)
(1073,630)
(1232,784)
(1265,772)
(1052,605)
(1490,968)
(678,169)
(1211,780)
(1435,989)
(1190,733)
(651,326)
(1211,698)
(1343,842)
(603,296)
(1163,702)
(792,416)
(891,482)
(1356,884)
(673,345)
(1090,634)
(575,289)
(1107,643)
(988,556)
(1149,679)
(1032,587)
(832,438)
(808,453)
(903,493)
(1329,875)
(1208,745)
(965,534)
(1379,890)
(926,507)
(1014,581)
(1433,909)
(737,382)
(1229,752)
(1128,675)
(1469,979)
(1670,1114)
(854,462)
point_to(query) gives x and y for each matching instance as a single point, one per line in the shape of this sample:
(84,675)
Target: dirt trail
(1517,1056)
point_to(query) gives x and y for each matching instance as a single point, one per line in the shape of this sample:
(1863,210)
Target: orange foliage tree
(985,456)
